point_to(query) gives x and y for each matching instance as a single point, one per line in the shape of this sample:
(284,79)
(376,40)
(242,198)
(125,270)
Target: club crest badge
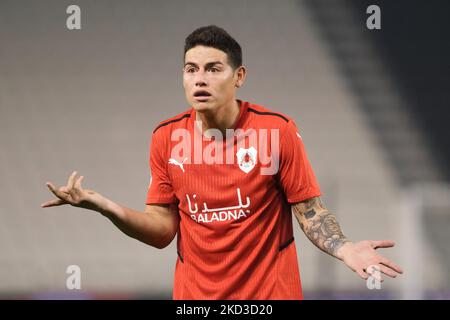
(246,159)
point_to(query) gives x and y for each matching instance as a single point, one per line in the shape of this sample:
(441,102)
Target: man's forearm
(156,226)
(145,227)
(320,226)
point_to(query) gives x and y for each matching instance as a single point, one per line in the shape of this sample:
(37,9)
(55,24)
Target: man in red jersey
(225,176)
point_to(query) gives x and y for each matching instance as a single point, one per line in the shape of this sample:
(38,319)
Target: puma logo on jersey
(175,162)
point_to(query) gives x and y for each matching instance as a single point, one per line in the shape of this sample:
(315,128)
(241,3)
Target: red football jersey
(234,195)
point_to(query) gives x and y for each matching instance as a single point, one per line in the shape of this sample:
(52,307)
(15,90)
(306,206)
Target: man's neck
(222,118)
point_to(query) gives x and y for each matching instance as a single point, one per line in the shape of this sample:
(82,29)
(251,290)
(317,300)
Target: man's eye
(190,70)
(213,69)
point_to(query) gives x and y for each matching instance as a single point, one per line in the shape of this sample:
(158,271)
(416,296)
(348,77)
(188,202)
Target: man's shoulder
(268,117)
(175,120)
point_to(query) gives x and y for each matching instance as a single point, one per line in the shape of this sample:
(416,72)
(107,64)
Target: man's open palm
(73,194)
(363,258)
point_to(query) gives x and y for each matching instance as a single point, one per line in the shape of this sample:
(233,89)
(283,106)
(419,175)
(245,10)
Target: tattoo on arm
(310,214)
(319,225)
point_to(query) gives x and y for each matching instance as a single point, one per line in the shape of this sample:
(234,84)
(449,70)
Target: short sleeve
(160,190)
(296,175)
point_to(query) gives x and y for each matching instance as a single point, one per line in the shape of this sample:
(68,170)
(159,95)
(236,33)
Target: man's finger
(53,203)
(383,244)
(78,183)
(388,271)
(362,274)
(71,180)
(52,189)
(58,194)
(392,265)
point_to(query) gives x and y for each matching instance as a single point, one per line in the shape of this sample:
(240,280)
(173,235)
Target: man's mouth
(202,95)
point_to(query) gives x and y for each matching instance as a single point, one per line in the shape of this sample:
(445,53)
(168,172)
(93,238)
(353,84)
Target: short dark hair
(215,37)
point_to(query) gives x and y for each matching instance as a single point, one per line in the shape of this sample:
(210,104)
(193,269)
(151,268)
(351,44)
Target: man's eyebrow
(209,64)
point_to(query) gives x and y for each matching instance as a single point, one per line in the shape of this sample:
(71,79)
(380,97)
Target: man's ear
(241,72)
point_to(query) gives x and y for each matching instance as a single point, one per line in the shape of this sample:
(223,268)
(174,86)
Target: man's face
(209,80)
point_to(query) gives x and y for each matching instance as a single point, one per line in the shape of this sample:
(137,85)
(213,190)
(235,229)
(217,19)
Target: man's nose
(200,80)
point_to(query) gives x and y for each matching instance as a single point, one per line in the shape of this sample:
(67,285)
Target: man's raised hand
(362,257)
(73,194)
